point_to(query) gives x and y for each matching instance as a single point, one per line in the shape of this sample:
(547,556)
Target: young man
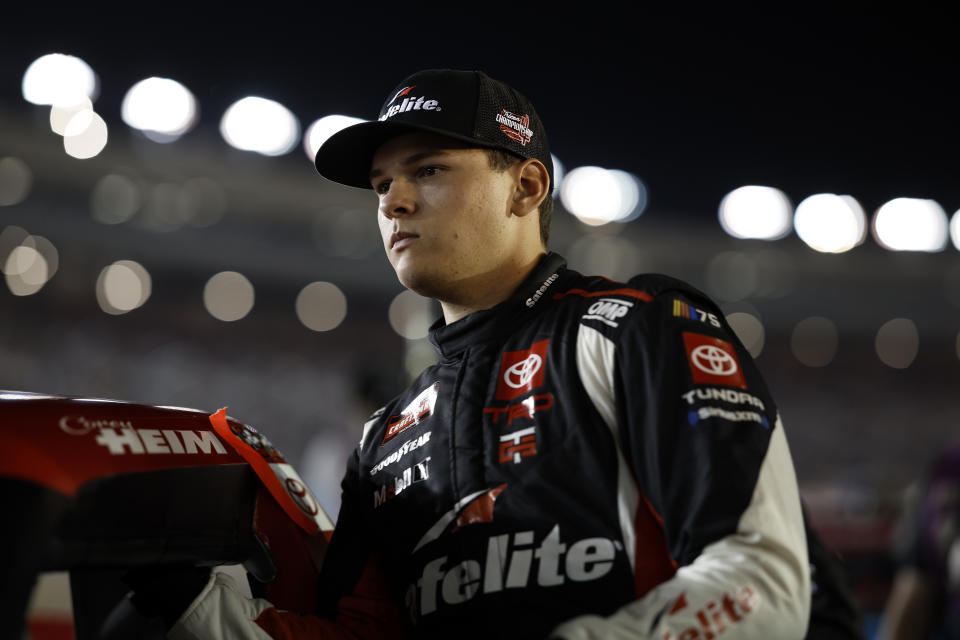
(588,459)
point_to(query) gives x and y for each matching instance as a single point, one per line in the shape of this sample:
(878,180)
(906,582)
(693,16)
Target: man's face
(444,214)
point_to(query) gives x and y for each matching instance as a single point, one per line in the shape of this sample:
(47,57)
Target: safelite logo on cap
(410,103)
(713,361)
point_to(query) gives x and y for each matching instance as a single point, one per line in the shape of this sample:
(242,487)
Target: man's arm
(355,600)
(703,445)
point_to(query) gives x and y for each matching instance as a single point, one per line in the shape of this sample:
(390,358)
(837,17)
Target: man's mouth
(402,239)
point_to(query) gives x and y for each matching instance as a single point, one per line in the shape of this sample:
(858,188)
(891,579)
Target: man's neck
(504,285)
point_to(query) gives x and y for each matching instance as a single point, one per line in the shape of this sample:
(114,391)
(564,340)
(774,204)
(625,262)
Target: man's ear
(533,185)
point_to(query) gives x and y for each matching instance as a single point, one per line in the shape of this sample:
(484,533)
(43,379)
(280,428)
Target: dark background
(854,99)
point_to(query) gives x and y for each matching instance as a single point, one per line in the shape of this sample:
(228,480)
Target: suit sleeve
(354,598)
(702,448)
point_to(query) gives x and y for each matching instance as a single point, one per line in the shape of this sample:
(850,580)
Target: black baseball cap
(468,106)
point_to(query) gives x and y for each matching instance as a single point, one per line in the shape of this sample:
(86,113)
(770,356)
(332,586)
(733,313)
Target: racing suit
(587,459)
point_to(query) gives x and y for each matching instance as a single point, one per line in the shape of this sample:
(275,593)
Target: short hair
(501,160)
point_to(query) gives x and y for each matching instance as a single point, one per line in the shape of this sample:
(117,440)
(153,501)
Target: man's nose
(400,199)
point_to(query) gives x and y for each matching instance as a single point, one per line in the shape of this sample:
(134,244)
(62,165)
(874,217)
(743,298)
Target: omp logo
(516,127)
(521,371)
(414,413)
(608,310)
(715,618)
(713,361)
(511,561)
(517,445)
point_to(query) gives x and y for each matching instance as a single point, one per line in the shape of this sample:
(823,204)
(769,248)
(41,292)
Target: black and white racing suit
(588,459)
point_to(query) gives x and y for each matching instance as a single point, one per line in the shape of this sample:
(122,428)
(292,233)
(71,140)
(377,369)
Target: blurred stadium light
(756,212)
(260,125)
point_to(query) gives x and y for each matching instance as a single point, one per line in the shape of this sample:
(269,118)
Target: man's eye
(382,187)
(429,171)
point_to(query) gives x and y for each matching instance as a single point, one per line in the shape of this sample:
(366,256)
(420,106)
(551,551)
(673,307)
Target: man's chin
(419,281)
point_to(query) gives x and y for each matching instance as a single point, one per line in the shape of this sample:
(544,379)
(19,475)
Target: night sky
(858,100)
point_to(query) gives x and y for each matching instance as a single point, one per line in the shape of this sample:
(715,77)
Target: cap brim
(346,156)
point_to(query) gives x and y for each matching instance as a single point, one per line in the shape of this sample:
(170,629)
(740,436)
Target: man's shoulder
(606,303)
(644,286)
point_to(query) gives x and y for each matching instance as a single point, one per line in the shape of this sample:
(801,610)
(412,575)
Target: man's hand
(166,591)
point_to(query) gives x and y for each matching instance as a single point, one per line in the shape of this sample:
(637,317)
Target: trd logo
(523,409)
(519,444)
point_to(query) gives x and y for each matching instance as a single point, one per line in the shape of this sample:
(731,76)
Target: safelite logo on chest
(521,371)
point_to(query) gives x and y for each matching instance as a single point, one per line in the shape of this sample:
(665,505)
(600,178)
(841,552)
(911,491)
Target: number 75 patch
(683,310)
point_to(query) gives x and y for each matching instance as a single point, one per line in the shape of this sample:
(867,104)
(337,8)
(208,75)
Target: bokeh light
(123,286)
(318,132)
(16,179)
(830,223)
(612,255)
(559,172)
(25,270)
(814,341)
(731,276)
(897,343)
(85,135)
(30,262)
(115,199)
(61,114)
(228,296)
(260,125)
(756,212)
(749,329)
(597,196)
(321,306)
(955,229)
(911,224)
(203,202)
(161,106)
(56,79)
(411,315)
